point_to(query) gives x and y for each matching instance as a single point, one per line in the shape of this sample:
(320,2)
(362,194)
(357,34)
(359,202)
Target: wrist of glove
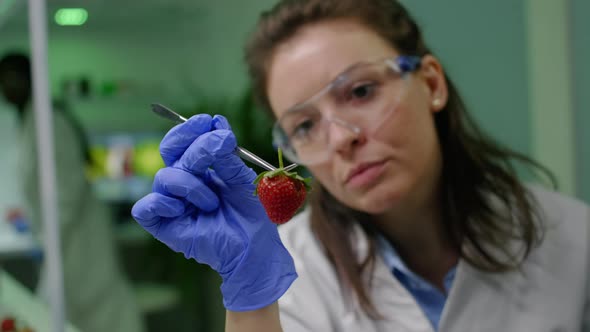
(273,273)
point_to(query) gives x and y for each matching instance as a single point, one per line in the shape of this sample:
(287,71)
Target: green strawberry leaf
(281,171)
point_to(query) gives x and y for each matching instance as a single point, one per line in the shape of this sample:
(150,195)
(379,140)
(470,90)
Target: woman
(417,221)
(97,294)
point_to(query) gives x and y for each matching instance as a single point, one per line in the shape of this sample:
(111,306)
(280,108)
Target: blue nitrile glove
(203,206)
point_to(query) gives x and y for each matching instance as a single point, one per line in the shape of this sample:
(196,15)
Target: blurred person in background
(98,297)
(417,220)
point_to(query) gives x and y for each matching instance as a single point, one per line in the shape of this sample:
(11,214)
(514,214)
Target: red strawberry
(281,192)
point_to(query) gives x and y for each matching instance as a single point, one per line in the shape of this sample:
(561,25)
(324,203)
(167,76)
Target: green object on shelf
(24,305)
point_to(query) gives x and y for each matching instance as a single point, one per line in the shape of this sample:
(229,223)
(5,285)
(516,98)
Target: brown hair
(475,168)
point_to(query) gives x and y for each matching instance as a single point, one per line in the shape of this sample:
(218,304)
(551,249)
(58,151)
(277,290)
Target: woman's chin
(379,203)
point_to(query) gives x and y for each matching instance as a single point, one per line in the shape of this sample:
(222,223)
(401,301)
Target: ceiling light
(71,16)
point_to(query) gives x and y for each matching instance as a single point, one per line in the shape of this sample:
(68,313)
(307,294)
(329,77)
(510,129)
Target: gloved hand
(203,206)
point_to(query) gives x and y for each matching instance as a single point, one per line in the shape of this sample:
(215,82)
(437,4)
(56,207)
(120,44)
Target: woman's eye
(301,130)
(362,92)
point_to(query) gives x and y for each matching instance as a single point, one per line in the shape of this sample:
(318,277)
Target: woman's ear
(434,77)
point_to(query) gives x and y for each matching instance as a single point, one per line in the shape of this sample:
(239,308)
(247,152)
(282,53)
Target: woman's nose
(343,135)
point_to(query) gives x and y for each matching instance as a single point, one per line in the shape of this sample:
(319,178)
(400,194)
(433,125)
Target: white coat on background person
(98,297)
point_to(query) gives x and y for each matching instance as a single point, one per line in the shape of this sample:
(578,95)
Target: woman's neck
(417,233)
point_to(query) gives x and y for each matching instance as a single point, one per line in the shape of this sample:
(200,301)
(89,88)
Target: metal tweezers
(169,114)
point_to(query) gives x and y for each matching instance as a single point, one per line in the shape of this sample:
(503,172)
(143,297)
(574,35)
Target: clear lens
(360,98)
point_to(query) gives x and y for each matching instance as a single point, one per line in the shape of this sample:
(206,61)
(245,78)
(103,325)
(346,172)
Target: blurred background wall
(483,48)
(175,52)
(522,67)
(581,71)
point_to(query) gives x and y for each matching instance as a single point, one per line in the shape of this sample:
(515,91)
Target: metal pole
(46,157)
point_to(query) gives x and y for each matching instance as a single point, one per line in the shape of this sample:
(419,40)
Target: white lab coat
(550,294)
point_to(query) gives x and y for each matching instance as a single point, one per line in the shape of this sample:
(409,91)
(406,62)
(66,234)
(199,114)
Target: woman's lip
(366,175)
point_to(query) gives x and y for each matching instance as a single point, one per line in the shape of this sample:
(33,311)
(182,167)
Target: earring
(436,102)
